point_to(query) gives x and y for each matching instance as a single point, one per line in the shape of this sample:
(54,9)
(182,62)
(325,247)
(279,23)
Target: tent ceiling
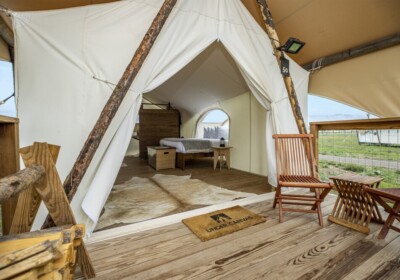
(211,77)
(326,26)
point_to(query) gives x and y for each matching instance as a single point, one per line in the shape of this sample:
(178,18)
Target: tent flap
(59,53)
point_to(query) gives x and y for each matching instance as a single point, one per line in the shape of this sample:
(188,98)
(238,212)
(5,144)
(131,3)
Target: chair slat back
(294,155)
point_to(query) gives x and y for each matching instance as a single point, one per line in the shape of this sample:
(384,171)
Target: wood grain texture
(45,254)
(296,168)
(12,185)
(157,124)
(296,249)
(29,200)
(367,124)
(273,35)
(202,169)
(9,163)
(52,193)
(382,265)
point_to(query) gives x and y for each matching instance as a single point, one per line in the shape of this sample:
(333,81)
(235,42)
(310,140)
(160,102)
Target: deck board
(298,248)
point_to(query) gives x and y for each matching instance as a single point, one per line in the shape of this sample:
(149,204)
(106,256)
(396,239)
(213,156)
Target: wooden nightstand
(222,154)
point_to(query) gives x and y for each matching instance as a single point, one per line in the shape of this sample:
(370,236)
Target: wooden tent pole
(266,13)
(6,33)
(96,135)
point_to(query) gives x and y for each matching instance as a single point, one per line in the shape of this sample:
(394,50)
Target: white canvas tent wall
(62,56)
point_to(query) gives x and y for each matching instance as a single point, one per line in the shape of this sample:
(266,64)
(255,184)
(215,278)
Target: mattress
(190,145)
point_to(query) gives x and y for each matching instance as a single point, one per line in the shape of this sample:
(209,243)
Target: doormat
(222,222)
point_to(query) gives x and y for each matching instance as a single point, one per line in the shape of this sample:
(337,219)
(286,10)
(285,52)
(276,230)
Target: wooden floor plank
(275,256)
(382,265)
(176,257)
(296,249)
(202,169)
(345,262)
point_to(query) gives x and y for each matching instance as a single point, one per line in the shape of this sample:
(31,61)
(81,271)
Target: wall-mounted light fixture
(292,45)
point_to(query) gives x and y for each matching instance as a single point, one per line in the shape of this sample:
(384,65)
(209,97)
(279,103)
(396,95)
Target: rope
(317,64)
(5,100)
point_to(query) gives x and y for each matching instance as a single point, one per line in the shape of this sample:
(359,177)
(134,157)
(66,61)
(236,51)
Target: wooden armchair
(392,195)
(296,168)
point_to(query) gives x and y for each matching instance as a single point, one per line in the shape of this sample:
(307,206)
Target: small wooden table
(222,154)
(353,207)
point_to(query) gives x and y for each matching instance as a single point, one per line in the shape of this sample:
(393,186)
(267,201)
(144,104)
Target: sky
(319,109)
(6,89)
(323,109)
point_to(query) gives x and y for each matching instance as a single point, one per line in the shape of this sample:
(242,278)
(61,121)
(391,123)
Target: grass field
(345,144)
(330,168)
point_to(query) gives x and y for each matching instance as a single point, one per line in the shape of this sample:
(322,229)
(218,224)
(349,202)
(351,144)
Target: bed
(190,148)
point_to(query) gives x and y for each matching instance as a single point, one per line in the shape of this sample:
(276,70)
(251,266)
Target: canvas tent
(328,27)
(68,61)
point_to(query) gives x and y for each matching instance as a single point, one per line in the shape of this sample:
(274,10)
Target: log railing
(38,182)
(344,143)
(12,185)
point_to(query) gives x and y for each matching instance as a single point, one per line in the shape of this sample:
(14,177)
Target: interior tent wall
(370,82)
(247,134)
(67,62)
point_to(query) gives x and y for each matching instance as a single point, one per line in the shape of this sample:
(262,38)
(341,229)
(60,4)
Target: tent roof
(326,26)
(211,77)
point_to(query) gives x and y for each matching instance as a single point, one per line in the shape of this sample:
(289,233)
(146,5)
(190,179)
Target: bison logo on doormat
(221,218)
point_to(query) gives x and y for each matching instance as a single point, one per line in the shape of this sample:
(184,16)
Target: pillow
(205,132)
(214,133)
(223,132)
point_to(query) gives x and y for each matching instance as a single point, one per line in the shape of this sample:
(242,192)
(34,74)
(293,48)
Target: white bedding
(181,149)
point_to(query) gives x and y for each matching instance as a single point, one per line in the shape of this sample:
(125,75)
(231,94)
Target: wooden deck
(296,249)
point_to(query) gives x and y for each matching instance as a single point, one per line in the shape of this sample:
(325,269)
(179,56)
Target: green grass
(330,168)
(346,144)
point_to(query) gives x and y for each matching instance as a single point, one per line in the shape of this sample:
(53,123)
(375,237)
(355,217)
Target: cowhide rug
(194,191)
(141,199)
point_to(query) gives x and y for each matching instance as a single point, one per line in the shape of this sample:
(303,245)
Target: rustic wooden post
(6,33)
(12,185)
(314,130)
(266,13)
(51,191)
(96,135)
(28,201)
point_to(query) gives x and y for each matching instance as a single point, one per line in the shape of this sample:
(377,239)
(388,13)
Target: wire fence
(367,152)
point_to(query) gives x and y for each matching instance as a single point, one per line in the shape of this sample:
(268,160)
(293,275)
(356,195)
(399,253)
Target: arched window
(214,124)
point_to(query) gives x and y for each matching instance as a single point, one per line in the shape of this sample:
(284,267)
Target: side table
(353,207)
(222,154)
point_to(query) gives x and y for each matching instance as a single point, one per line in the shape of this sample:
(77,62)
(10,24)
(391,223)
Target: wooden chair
(296,168)
(390,194)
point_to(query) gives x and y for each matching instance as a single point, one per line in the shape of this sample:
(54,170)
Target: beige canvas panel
(4,53)
(371,82)
(326,26)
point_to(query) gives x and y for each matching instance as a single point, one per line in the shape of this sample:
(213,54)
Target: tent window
(214,124)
